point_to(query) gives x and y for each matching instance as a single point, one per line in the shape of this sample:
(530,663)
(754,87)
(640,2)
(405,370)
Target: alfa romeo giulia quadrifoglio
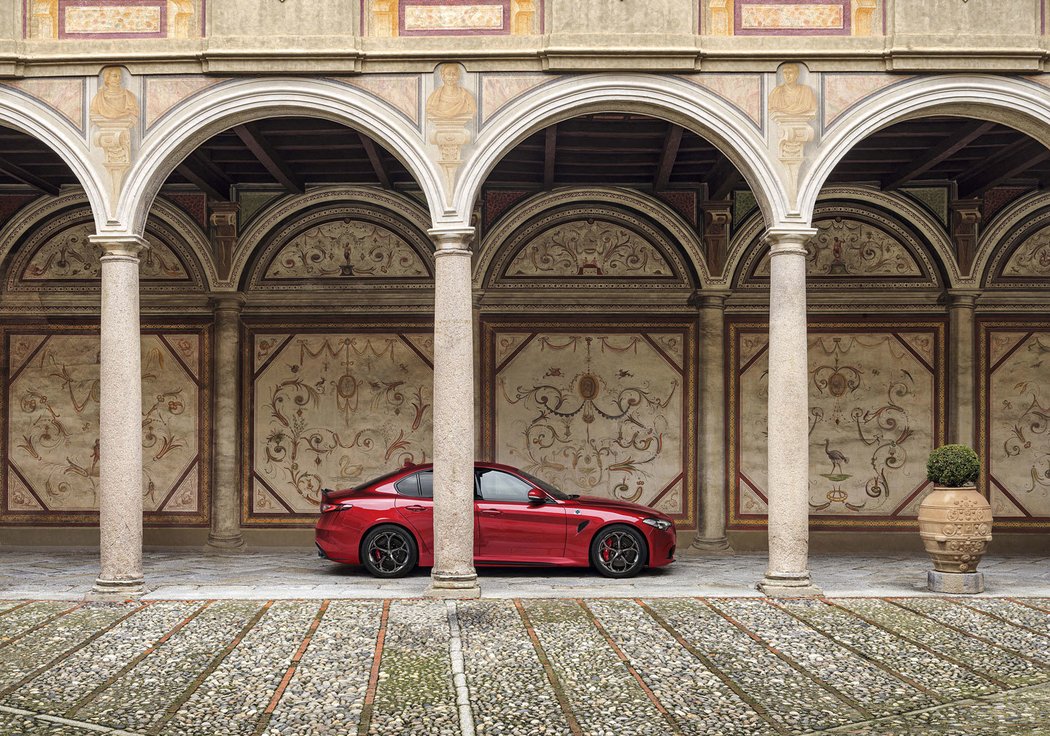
(387,525)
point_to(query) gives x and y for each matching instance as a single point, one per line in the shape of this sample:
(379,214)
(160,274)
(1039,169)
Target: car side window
(426,483)
(496,485)
(408,486)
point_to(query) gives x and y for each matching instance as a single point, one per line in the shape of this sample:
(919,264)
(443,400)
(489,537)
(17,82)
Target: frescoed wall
(451,17)
(876,395)
(51,415)
(1014,419)
(598,409)
(794,17)
(114,19)
(328,406)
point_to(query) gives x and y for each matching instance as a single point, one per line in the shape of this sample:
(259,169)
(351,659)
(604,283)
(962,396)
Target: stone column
(453,574)
(711,538)
(962,400)
(788,458)
(120,418)
(226,486)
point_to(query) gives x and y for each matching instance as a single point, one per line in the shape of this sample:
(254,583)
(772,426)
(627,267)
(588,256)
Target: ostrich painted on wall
(836,458)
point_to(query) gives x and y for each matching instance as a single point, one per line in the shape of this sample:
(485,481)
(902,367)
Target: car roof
(491,466)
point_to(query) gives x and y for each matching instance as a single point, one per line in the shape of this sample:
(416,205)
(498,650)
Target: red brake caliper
(607,549)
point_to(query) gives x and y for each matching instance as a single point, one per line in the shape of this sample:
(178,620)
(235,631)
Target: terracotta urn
(955,525)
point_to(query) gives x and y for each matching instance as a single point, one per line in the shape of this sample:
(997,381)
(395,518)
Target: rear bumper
(335,541)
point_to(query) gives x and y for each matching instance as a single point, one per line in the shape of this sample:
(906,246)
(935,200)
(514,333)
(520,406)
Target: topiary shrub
(953,466)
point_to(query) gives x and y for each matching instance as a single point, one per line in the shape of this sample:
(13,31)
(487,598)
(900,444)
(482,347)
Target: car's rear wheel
(389,552)
(618,552)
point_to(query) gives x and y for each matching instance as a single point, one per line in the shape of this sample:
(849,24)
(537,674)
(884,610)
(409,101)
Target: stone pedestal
(711,537)
(788,572)
(120,419)
(955,583)
(225,532)
(453,574)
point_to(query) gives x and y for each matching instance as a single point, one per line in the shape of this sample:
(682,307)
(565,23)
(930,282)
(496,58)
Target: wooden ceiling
(612,149)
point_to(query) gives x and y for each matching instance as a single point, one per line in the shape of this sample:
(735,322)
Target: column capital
(788,240)
(709,298)
(451,240)
(966,298)
(121,246)
(227,302)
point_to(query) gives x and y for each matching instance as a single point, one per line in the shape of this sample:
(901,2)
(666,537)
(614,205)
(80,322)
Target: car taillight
(327,506)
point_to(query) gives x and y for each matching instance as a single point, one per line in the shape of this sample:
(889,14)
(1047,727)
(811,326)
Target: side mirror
(537,496)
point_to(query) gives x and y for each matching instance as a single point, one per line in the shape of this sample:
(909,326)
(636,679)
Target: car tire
(389,551)
(619,552)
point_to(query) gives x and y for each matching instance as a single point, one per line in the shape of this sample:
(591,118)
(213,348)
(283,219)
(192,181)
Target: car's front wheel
(618,552)
(389,552)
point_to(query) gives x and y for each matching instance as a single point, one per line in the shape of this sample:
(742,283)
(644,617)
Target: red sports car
(387,525)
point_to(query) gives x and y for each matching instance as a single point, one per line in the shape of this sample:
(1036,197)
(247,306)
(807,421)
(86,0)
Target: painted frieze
(113,19)
(51,444)
(793,18)
(387,18)
(330,408)
(1030,261)
(1014,421)
(876,409)
(605,411)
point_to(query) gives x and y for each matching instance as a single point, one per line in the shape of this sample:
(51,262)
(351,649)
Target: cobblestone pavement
(685,665)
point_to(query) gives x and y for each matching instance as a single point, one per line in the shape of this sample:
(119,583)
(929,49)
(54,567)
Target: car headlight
(660,524)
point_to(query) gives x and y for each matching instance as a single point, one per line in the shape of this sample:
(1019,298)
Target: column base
(225,545)
(789,585)
(453,585)
(715,547)
(955,583)
(108,590)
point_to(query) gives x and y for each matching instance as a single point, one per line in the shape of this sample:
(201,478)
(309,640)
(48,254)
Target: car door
(509,528)
(415,504)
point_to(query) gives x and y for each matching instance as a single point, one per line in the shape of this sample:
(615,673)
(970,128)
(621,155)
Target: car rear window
(408,486)
(418,484)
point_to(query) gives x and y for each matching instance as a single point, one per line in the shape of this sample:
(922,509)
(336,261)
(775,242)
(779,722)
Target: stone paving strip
(876,691)
(697,698)
(414,693)
(603,694)
(232,698)
(998,665)
(1013,611)
(19,620)
(943,678)
(327,690)
(995,631)
(141,697)
(31,654)
(62,686)
(6,606)
(795,701)
(509,689)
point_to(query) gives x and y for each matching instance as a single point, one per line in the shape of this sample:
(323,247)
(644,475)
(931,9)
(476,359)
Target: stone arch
(1020,104)
(283,216)
(680,236)
(228,104)
(932,247)
(1009,231)
(24,113)
(47,217)
(667,98)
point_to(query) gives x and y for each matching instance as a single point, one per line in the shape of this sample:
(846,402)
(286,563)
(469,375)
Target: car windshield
(551,490)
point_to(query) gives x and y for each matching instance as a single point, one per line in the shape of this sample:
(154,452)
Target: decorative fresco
(164,93)
(861,247)
(1014,420)
(52,418)
(876,410)
(331,408)
(86,19)
(794,18)
(62,94)
(599,410)
(385,18)
(1030,260)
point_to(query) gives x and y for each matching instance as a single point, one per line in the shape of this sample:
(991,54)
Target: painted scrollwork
(70,255)
(844,248)
(589,248)
(1032,258)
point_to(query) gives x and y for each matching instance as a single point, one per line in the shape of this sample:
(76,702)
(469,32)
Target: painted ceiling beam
(15,171)
(667,157)
(206,176)
(376,160)
(550,154)
(954,143)
(1009,163)
(268,156)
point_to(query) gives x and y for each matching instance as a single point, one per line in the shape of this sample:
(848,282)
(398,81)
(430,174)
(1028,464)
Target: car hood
(616,504)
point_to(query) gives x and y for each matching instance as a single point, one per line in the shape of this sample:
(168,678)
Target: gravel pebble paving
(56,690)
(794,700)
(1003,634)
(6,606)
(415,693)
(232,698)
(18,725)
(997,663)
(699,701)
(874,689)
(16,622)
(326,694)
(510,692)
(63,634)
(139,698)
(602,693)
(1015,613)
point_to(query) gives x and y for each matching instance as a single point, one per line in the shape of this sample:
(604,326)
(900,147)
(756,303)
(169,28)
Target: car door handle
(417,509)
(490,512)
